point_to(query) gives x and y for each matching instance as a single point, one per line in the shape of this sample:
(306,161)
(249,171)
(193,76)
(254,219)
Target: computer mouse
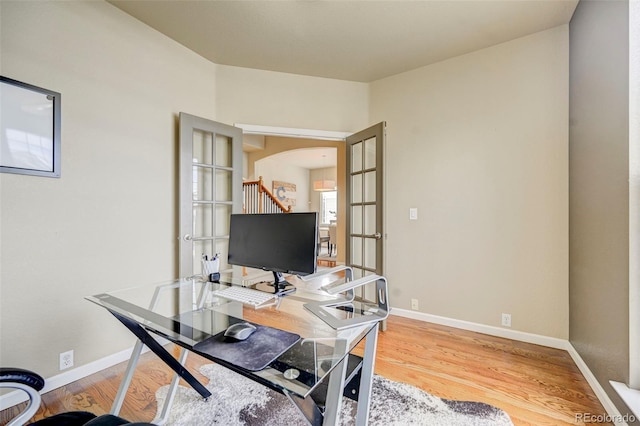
(239,331)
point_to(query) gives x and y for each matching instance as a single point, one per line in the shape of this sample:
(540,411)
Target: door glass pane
(223,151)
(200,248)
(370,253)
(202,184)
(202,220)
(223,217)
(370,186)
(202,150)
(357,273)
(356,157)
(370,153)
(356,220)
(223,185)
(222,250)
(356,251)
(356,188)
(370,219)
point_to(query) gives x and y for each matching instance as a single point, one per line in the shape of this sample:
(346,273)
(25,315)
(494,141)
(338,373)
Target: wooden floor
(535,385)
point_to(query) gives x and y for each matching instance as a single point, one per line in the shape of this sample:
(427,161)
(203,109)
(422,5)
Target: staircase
(258,199)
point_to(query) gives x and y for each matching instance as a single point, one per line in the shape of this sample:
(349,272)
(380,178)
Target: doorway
(360,175)
(321,159)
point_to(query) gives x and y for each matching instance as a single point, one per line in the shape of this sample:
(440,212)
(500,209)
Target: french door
(365,225)
(210,190)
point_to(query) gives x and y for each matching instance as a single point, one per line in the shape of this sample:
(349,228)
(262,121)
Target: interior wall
(277,99)
(599,188)
(114,208)
(479,144)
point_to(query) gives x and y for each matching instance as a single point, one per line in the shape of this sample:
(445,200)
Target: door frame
(340,136)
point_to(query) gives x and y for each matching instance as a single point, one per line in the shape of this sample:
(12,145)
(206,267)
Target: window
(328,206)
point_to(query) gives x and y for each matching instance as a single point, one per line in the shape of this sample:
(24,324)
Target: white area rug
(237,400)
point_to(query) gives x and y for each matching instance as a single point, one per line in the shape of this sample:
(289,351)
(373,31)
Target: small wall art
(285,192)
(29,129)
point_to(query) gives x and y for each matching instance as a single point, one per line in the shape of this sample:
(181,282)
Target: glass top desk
(313,373)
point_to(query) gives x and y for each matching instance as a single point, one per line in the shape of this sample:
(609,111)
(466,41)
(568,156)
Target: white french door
(210,189)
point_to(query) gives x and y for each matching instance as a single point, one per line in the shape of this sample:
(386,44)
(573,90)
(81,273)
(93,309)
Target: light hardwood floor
(535,385)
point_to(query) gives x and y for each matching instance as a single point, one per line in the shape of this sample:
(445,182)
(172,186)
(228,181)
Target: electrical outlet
(414,304)
(66,360)
(506,320)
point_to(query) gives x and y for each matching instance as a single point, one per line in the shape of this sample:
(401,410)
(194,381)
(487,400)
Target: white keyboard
(244,295)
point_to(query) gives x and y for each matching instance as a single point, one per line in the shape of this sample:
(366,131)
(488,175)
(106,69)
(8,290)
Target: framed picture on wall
(30,120)
(285,192)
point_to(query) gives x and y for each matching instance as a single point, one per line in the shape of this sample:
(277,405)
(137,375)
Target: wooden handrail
(250,202)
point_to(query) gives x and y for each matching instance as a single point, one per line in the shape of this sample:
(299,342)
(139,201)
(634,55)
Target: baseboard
(631,397)
(16,397)
(552,342)
(615,416)
(520,336)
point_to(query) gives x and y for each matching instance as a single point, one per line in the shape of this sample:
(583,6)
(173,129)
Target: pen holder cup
(211,269)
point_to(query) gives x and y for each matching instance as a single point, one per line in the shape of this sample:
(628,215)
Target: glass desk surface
(186,312)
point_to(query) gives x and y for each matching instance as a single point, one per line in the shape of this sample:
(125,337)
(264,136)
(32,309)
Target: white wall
(479,144)
(286,100)
(114,208)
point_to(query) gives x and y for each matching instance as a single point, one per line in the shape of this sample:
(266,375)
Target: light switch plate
(413,213)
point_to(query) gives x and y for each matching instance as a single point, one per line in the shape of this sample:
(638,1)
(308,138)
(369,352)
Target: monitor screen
(278,242)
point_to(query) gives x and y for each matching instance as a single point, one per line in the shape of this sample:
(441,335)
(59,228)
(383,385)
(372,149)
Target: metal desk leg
(366,379)
(163,414)
(126,380)
(162,353)
(333,403)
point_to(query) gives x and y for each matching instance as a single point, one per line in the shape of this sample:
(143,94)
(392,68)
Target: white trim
(254,129)
(537,339)
(521,336)
(609,406)
(16,397)
(631,397)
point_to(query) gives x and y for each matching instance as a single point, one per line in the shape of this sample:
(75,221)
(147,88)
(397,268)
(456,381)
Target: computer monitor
(278,242)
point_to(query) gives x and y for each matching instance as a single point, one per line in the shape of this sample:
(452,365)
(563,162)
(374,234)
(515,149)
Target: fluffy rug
(237,400)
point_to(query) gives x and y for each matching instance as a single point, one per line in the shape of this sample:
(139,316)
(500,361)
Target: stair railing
(258,199)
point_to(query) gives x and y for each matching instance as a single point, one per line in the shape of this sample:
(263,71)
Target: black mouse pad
(260,349)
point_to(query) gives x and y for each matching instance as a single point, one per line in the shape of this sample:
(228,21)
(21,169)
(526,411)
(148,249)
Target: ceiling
(354,40)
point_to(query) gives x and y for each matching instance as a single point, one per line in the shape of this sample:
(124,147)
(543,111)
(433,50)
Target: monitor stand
(279,286)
